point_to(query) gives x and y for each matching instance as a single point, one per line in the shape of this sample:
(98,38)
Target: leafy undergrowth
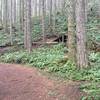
(93,33)
(52,60)
(40,57)
(18,36)
(92,89)
(4,39)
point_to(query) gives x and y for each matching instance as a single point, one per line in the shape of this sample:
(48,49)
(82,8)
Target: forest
(50,42)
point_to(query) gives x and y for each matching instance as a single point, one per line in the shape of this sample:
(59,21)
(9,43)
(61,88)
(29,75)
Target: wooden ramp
(52,40)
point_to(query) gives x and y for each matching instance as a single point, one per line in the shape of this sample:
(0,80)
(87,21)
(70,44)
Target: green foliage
(52,59)
(93,32)
(94,57)
(18,38)
(4,39)
(93,89)
(36,28)
(36,32)
(61,24)
(39,57)
(92,86)
(93,75)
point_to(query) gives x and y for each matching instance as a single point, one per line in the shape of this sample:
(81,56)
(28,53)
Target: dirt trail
(23,83)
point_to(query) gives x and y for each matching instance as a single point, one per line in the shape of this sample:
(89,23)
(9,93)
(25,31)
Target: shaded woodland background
(61,37)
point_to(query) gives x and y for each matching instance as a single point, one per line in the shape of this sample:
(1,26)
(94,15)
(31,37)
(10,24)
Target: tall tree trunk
(5,15)
(50,15)
(82,60)
(20,7)
(22,15)
(14,16)
(35,7)
(1,12)
(71,31)
(99,9)
(39,8)
(62,7)
(86,10)
(45,7)
(27,31)
(43,19)
(29,41)
(11,22)
(25,24)
(54,16)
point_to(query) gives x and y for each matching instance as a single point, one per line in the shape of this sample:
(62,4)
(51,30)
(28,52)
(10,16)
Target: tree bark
(82,60)
(43,19)
(14,16)
(5,15)
(39,8)
(54,16)
(50,15)
(71,31)
(25,24)
(1,12)
(86,11)
(29,41)
(27,28)
(35,7)
(11,20)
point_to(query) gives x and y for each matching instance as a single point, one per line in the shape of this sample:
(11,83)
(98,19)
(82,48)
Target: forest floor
(18,82)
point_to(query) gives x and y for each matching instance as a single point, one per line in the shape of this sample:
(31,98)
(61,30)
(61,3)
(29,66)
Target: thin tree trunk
(35,7)
(29,41)
(71,31)
(27,28)
(20,20)
(86,10)
(25,24)
(14,7)
(43,20)
(82,60)
(50,15)
(1,12)
(5,15)
(11,32)
(99,9)
(22,15)
(39,8)
(54,17)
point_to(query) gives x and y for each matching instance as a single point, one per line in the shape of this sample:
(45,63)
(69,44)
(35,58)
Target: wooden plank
(45,42)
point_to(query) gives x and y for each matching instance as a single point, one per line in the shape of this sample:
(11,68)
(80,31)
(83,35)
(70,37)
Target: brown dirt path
(22,83)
